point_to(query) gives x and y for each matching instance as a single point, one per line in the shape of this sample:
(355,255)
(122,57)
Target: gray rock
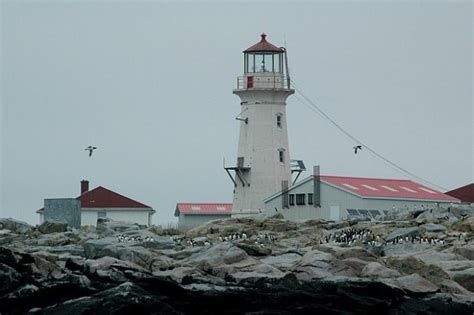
(52,227)
(402,232)
(222,253)
(411,265)
(123,299)
(23,292)
(10,279)
(283,262)
(450,286)
(346,252)
(254,250)
(464,277)
(355,263)
(455,265)
(431,227)
(414,283)
(261,272)
(432,257)
(465,251)
(15,226)
(426,217)
(92,248)
(376,270)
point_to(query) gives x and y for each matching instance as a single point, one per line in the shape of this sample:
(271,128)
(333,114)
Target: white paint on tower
(263,157)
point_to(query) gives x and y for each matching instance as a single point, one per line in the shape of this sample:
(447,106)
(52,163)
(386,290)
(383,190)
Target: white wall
(132,215)
(186,222)
(259,143)
(335,197)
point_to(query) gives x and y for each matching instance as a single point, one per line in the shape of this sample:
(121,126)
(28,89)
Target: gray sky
(150,84)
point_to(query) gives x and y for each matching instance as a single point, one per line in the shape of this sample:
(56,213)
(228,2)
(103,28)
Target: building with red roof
(195,214)
(339,197)
(99,202)
(464,193)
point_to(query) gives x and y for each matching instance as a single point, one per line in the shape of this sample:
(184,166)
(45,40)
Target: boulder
(106,224)
(346,252)
(355,263)
(283,262)
(464,277)
(261,274)
(222,253)
(426,217)
(92,248)
(52,227)
(465,251)
(414,283)
(376,270)
(432,257)
(402,232)
(10,279)
(433,228)
(278,225)
(23,292)
(450,286)
(122,299)
(466,225)
(411,265)
(15,226)
(253,249)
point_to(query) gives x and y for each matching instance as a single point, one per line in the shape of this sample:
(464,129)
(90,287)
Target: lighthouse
(263,165)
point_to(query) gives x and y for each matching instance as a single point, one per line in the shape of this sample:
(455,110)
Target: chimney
(84,186)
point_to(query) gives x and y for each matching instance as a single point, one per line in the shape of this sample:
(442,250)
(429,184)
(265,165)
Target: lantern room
(263,57)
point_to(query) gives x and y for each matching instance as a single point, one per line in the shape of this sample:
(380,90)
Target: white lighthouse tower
(263,158)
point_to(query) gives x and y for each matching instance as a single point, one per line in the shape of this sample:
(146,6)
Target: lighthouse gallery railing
(262,82)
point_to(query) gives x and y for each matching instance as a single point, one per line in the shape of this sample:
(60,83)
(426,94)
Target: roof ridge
(376,178)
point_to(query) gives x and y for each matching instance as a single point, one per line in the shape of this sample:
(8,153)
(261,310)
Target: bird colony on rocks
(415,263)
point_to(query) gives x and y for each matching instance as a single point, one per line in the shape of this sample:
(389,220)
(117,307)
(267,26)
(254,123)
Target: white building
(100,202)
(336,198)
(194,214)
(263,158)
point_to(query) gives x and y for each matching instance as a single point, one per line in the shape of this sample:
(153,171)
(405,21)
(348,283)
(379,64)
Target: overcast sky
(150,84)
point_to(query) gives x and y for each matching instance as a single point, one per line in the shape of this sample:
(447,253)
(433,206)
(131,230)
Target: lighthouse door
(249,82)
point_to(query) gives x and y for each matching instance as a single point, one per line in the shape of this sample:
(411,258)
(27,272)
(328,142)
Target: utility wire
(393,165)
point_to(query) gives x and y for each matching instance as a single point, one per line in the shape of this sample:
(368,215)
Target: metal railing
(262,82)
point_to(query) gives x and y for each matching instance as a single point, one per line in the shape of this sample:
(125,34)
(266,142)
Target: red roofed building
(464,193)
(339,197)
(194,214)
(101,202)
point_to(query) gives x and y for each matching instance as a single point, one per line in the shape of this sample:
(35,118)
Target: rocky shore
(419,263)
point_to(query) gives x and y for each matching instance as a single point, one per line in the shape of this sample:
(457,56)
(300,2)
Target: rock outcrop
(246,265)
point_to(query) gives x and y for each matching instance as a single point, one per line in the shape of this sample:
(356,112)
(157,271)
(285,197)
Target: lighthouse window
(281,156)
(278,117)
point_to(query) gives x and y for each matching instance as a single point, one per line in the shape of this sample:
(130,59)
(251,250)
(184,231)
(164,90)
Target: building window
(300,199)
(291,199)
(278,120)
(101,214)
(310,199)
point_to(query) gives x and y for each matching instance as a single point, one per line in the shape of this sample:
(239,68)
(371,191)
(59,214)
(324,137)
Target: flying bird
(90,149)
(357,147)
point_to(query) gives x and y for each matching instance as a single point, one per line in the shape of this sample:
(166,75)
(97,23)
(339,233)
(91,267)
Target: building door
(334,213)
